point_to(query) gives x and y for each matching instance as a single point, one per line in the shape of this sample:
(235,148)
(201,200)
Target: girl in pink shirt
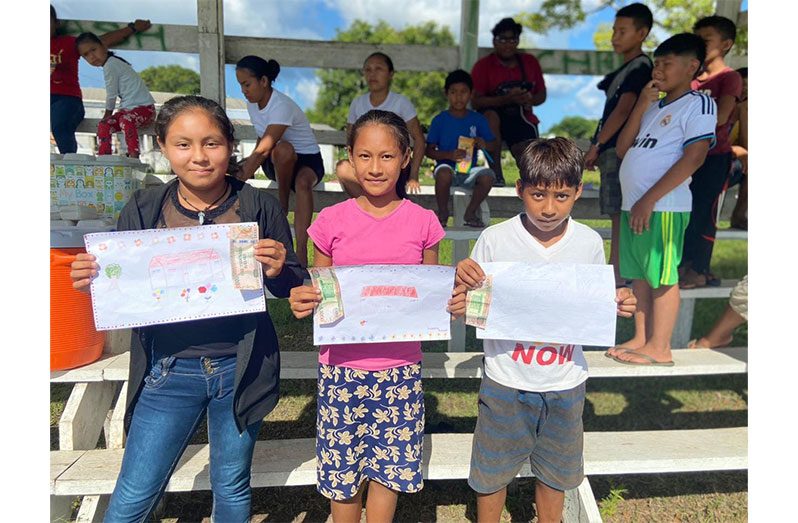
(370,415)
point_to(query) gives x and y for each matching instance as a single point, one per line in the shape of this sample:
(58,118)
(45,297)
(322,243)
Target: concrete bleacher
(96,406)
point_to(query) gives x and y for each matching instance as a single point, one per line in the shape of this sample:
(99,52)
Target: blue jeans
(66,113)
(176,394)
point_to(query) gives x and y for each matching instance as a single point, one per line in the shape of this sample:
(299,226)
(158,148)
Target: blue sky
(319,19)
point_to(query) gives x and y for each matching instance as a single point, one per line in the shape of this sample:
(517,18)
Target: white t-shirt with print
(395,103)
(532,365)
(282,110)
(665,130)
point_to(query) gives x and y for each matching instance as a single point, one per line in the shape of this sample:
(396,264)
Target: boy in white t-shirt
(530,408)
(663,143)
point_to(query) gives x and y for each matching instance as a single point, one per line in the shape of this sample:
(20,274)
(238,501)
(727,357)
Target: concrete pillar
(469,31)
(728,8)
(210,40)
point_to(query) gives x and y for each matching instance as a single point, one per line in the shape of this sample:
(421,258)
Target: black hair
(551,161)
(58,29)
(507,24)
(93,38)
(458,76)
(180,104)
(639,13)
(382,55)
(400,132)
(684,44)
(726,28)
(259,67)
(743,72)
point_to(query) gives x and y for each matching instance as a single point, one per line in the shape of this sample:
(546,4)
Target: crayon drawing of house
(184,269)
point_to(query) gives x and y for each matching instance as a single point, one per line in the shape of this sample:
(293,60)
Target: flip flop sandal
(474,222)
(651,362)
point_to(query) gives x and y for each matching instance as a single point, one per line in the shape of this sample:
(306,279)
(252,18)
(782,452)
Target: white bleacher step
(722,234)
(303,365)
(446,456)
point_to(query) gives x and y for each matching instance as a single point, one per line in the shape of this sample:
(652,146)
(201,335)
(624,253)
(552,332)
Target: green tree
(171,79)
(574,127)
(673,16)
(339,87)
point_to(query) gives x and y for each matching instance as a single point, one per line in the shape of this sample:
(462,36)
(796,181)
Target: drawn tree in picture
(113,272)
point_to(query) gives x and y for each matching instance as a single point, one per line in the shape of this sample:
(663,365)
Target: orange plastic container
(73,339)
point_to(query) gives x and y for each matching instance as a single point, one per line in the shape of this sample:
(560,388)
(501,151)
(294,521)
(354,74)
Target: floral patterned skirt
(369,425)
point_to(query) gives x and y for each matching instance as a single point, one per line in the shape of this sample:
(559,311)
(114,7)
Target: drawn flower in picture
(187,237)
(185,294)
(200,236)
(102,247)
(137,243)
(158,294)
(207,291)
(214,236)
(170,240)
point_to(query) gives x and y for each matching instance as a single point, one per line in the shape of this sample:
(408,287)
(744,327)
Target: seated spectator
(735,314)
(507,84)
(454,165)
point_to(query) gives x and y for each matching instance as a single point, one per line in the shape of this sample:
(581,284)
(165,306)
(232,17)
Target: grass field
(451,406)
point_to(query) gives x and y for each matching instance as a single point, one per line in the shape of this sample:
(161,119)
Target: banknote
(331,308)
(478,304)
(246,270)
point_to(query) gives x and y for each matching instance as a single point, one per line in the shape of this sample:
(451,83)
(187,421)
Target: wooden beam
(210,43)
(341,55)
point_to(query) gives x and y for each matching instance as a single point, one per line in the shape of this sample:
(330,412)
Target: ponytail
(260,67)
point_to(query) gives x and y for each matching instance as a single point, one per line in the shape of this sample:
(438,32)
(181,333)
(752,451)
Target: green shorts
(653,256)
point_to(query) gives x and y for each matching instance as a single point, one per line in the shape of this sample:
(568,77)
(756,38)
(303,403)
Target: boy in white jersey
(530,408)
(663,143)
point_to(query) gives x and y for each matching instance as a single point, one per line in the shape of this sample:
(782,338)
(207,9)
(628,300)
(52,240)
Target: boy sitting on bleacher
(454,165)
(530,411)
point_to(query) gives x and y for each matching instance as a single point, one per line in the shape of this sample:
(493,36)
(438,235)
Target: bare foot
(707,343)
(660,355)
(632,344)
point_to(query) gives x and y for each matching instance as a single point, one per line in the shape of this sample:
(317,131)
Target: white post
(210,40)
(728,8)
(469,30)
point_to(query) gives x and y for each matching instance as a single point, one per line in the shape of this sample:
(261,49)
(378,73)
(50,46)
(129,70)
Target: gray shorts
(515,425)
(610,190)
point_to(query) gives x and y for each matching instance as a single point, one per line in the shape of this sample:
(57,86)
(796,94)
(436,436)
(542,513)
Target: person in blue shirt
(452,165)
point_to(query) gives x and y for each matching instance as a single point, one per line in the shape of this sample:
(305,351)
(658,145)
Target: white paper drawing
(159,276)
(551,302)
(382,303)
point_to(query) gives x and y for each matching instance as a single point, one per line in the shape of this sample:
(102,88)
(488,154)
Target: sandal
(693,282)
(473,222)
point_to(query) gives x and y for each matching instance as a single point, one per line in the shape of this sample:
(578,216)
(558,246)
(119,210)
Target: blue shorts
(515,426)
(466,181)
(369,425)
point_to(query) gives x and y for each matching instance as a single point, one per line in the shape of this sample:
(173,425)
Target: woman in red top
(66,102)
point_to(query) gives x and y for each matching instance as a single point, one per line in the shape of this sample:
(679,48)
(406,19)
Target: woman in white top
(136,104)
(378,73)
(287,148)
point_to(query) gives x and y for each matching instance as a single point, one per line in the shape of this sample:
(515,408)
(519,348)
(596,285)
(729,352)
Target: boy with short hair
(442,146)
(725,86)
(663,143)
(622,86)
(530,411)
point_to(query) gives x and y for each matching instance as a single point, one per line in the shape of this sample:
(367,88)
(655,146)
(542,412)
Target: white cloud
(588,101)
(560,85)
(308,90)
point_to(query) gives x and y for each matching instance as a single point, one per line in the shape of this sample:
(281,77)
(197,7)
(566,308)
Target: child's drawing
(386,303)
(167,275)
